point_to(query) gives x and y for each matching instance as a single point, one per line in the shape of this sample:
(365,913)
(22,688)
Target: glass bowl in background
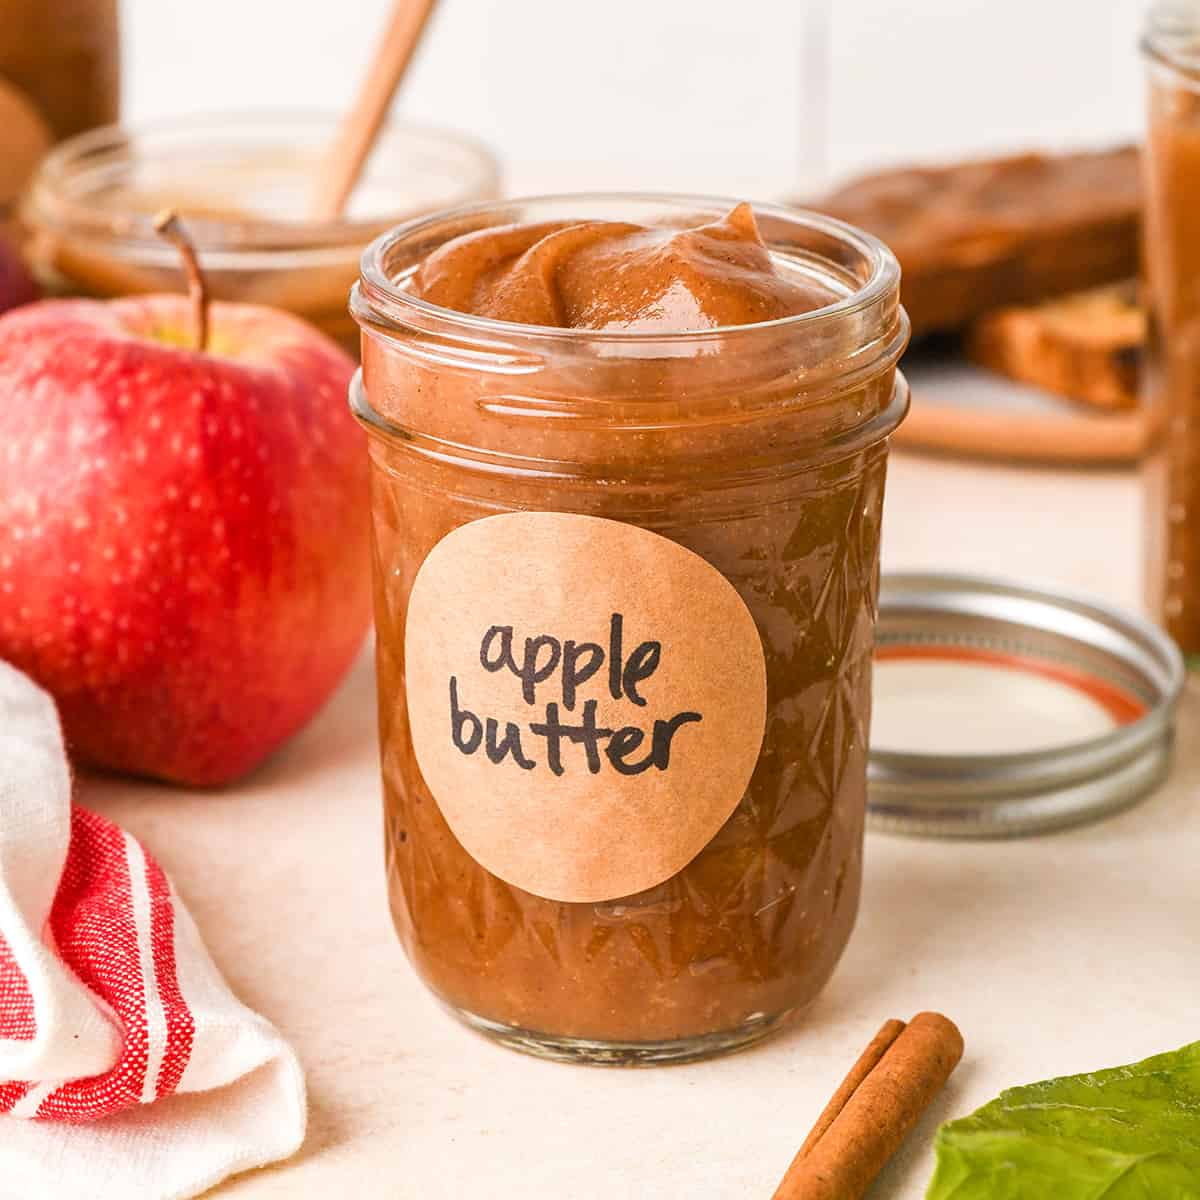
(241,184)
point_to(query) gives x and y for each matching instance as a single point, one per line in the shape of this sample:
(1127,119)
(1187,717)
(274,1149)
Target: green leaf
(1128,1133)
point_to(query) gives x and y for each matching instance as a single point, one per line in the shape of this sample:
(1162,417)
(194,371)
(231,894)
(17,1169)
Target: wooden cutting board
(960,409)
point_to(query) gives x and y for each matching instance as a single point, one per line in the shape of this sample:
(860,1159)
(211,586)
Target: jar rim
(377,295)
(51,203)
(1171,35)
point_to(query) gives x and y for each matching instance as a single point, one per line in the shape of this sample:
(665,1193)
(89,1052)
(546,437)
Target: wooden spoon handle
(358,131)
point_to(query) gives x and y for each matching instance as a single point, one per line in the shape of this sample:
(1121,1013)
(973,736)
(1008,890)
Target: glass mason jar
(1172,260)
(594,457)
(242,184)
(59,75)
(65,56)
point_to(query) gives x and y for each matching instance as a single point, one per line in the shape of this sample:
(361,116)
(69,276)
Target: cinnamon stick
(866,1063)
(879,1101)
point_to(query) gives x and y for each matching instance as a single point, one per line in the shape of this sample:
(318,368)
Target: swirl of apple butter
(614,276)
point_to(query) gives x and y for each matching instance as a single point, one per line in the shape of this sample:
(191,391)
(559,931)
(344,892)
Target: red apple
(16,283)
(183,534)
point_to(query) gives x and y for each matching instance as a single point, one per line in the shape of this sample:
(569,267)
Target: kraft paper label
(587,700)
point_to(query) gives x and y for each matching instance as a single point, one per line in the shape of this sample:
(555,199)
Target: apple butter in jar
(59,76)
(1172,250)
(628,460)
(65,56)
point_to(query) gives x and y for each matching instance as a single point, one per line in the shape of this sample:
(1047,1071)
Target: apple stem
(168,225)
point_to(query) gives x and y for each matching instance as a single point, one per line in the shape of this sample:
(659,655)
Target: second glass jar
(1171,239)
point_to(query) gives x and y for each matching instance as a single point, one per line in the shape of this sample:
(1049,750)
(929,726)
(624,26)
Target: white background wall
(697,94)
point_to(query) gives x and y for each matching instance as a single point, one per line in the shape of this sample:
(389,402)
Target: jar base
(586,1052)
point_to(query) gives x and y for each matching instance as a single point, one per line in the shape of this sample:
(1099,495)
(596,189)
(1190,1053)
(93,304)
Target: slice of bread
(976,235)
(1086,346)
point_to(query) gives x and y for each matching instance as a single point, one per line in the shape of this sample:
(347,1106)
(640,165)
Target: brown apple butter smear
(763,451)
(610,276)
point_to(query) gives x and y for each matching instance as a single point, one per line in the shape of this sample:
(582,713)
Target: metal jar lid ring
(1003,709)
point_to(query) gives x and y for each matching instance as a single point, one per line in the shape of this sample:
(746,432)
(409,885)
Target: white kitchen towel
(128,1070)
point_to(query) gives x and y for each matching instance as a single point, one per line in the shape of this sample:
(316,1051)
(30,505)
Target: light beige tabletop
(1057,954)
